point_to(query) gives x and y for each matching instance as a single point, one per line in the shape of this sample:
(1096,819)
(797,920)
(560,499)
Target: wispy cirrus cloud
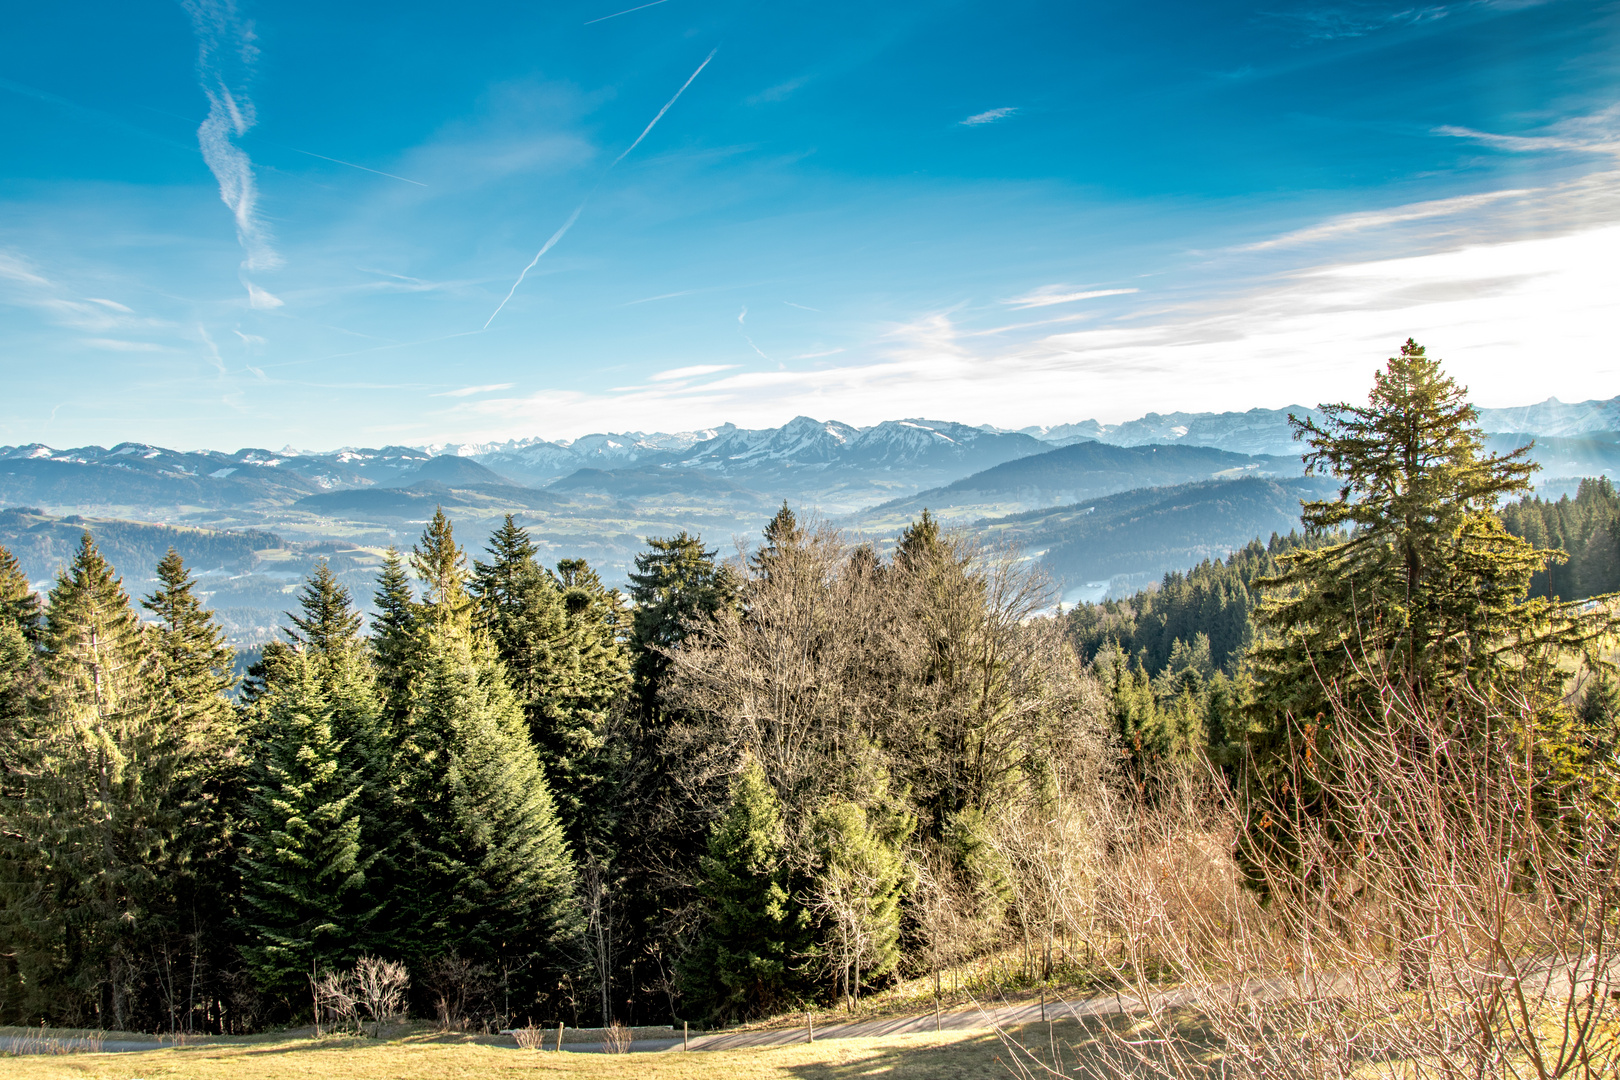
(1371,219)
(226,53)
(1048,295)
(989,116)
(469,391)
(1594,133)
(119,345)
(691,372)
(1496,296)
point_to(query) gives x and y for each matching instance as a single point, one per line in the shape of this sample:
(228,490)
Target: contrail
(665,109)
(362,168)
(627,11)
(556,236)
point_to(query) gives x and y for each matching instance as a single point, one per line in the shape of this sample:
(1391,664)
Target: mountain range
(1095,502)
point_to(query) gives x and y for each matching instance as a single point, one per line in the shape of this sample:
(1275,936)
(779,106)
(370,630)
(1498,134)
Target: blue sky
(270,224)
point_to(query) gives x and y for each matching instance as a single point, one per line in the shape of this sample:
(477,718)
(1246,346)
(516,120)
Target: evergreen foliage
(678,587)
(787,779)
(557,636)
(392,631)
(744,963)
(488,875)
(93,812)
(860,880)
(303,868)
(329,621)
(19,604)
(1429,582)
(1586,529)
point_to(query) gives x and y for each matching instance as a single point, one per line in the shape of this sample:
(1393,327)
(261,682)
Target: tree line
(748,784)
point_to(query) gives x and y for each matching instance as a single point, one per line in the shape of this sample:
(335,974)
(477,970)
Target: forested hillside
(1586,529)
(797,776)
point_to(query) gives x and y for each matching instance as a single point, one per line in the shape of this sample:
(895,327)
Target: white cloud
(469,391)
(1596,133)
(116,345)
(259,298)
(1047,295)
(988,117)
(691,372)
(113,304)
(1492,311)
(1373,219)
(17,268)
(226,51)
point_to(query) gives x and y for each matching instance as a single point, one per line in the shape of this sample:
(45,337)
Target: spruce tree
(304,867)
(782,534)
(192,677)
(442,568)
(327,633)
(193,670)
(92,810)
(859,882)
(1428,584)
(392,633)
(329,621)
(556,638)
(677,587)
(743,964)
(19,604)
(1420,606)
(488,874)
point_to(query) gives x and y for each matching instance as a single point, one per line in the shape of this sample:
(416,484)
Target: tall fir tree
(782,534)
(329,621)
(677,587)
(192,678)
(743,964)
(488,875)
(392,633)
(556,637)
(1427,583)
(860,880)
(93,811)
(304,866)
(441,566)
(1421,606)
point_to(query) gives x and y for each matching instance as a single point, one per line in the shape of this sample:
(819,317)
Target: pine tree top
(329,623)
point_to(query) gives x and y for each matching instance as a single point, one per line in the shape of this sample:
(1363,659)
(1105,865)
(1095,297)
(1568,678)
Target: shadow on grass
(1088,1047)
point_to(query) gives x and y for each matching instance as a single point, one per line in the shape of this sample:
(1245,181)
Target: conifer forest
(799,773)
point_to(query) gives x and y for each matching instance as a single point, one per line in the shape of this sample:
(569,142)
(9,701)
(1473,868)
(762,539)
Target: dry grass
(969,1055)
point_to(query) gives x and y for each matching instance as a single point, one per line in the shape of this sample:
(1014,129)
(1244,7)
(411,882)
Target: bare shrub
(381,986)
(616,1039)
(336,1000)
(1443,905)
(459,988)
(41,1043)
(530,1037)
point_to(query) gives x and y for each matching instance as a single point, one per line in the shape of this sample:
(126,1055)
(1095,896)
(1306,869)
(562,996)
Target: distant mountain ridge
(838,467)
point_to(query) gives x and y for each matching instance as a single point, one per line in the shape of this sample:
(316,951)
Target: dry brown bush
(380,986)
(1446,908)
(616,1039)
